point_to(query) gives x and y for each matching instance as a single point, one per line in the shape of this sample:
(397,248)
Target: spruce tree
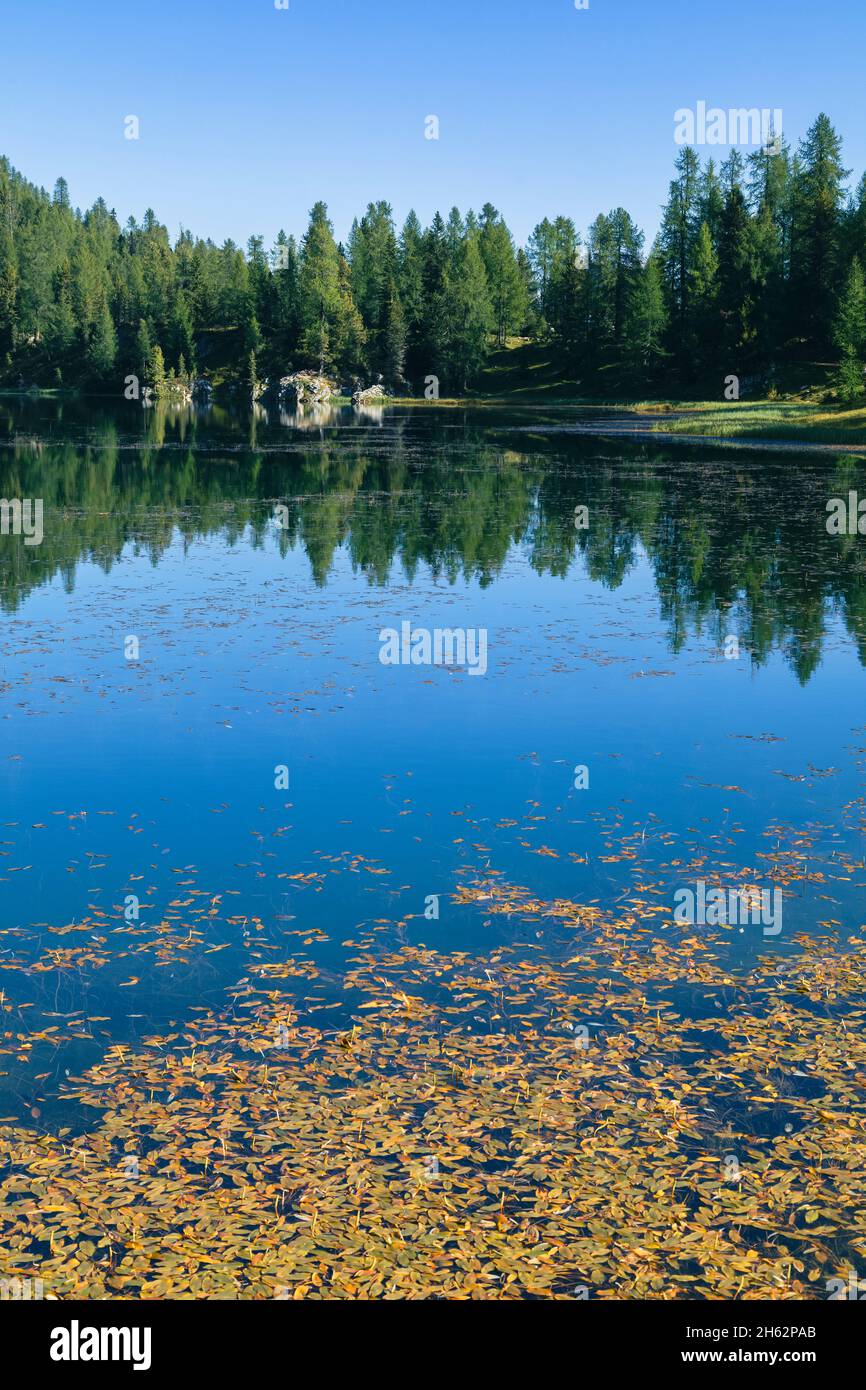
(102,348)
(410,289)
(471,314)
(156,370)
(849,335)
(648,320)
(394,359)
(817,233)
(506,285)
(328,319)
(736,288)
(703,303)
(143,350)
(680,225)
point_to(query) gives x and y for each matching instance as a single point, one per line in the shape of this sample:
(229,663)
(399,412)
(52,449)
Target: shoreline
(663,421)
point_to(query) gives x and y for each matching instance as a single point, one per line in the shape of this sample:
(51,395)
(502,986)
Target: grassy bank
(785,420)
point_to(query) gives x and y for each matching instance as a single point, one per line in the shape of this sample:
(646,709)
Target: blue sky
(248,114)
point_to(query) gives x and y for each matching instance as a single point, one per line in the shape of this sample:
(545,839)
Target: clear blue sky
(249,114)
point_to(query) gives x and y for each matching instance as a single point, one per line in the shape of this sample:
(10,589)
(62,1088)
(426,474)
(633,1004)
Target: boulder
(305,388)
(369,396)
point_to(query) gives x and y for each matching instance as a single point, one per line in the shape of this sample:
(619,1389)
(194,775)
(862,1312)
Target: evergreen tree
(373,259)
(679,229)
(181,337)
(736,289)
(849,334)
(754,262)
(143,351)
(471,314)
(410,289)
(8,267)
(60,332)
(817,233)
(703,298)
(565,311)
(328,319)
(394,360)
(507,287)
(540,253)
(436,325)
(649,319)
(711,201)
(286,325)
(156,370)
(102,348)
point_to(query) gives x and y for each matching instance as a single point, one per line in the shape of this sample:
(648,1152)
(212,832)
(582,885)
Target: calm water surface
(147,856)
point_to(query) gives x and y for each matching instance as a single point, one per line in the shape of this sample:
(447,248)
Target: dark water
(148,857)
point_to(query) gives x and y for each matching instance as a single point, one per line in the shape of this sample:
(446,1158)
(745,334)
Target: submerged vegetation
(757,267)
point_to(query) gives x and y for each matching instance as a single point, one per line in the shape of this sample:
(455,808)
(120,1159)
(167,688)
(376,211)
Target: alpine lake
(337,962)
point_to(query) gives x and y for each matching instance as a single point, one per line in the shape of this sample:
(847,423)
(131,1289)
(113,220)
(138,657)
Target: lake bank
(763,424)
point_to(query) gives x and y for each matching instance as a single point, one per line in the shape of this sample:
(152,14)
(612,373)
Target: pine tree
(262,290)
(736,287)
(540,253)
(817,233)
(287,314)
(506,285)
(327,312)
(60,326)
(564,312)
(436,325)
(102,348)
(471,313)
(410,288)
(156,370)
(679,229)
(79,295)
(627,246)
(703,296)
(181,338)
(373,260)
(849,334)
(855,225)
(395,339)
(648,320)
(143,350)
(600,290)
(711,201)
(531,322)
(8,278)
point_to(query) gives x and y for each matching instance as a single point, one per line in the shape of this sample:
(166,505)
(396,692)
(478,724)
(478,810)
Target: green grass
(787,420)
(526,372)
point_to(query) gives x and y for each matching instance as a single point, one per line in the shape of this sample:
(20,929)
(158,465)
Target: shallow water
(143,836)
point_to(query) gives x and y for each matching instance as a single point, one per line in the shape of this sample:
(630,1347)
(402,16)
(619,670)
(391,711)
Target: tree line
(758,264)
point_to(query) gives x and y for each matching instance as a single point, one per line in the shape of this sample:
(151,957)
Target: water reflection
(736,543)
